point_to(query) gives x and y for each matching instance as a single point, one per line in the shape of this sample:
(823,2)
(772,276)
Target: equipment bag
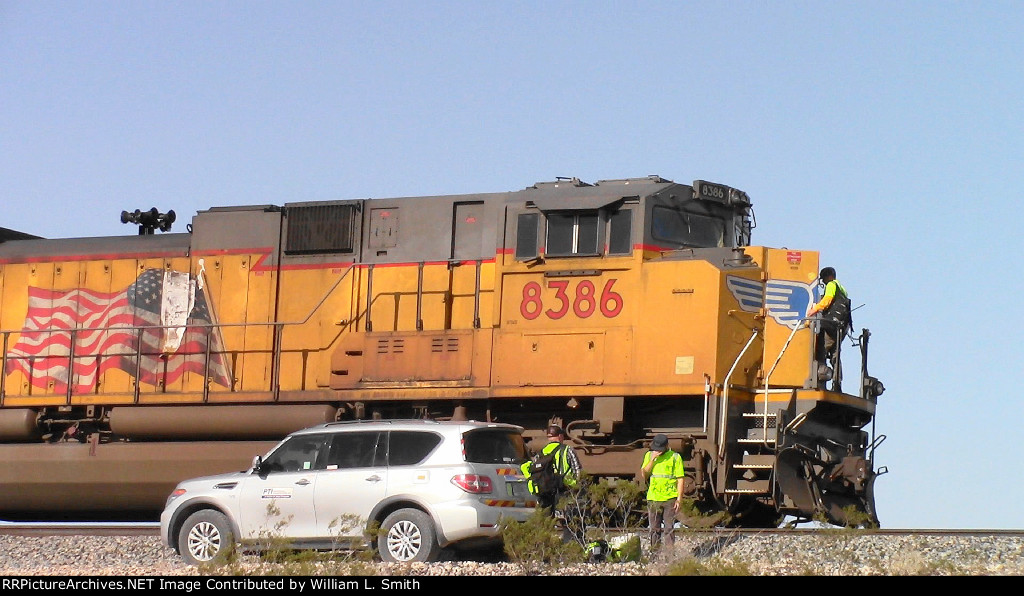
(544,473)
(838,315)
(599,551)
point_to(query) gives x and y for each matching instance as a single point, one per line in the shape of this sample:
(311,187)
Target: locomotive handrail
(795,423)
(725,396)
(368,325)
(209,327)
(785,346)
(3,369)
(476,296)
(322,300)
(419,296)
(875,444)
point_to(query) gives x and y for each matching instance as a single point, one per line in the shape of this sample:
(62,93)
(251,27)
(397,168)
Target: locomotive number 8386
(619,310)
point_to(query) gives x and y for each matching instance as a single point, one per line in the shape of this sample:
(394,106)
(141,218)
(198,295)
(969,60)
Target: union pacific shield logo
(786,301)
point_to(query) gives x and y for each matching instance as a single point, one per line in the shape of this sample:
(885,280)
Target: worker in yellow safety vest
(663,470)
(562,469)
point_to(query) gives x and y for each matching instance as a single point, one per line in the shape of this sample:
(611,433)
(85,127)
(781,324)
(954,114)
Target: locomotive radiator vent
(320,228)
(390,346)
(444,344)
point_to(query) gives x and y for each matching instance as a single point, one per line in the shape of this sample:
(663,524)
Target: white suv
(427,484)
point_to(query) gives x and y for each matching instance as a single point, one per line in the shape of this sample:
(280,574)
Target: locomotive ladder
(754,474)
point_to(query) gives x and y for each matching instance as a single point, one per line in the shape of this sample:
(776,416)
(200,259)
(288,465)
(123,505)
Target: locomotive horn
(149,221)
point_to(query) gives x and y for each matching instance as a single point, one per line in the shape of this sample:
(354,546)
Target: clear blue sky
(887,135)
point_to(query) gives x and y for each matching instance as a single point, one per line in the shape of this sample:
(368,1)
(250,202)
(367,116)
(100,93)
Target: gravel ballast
(815,553)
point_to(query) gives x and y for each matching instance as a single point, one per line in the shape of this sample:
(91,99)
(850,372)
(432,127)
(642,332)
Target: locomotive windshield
(691,226)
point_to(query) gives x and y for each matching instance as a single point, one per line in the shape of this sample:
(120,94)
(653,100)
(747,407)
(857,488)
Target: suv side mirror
(257,464)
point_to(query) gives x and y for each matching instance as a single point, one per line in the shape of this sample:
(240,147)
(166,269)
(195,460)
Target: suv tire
(205,536)
(408,536)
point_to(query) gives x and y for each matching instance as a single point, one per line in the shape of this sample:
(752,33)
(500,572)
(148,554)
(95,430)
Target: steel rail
(64,528)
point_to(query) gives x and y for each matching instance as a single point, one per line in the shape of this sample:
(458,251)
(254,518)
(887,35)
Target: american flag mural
(108,338)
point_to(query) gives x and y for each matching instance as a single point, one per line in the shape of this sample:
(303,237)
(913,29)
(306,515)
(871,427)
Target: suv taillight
(472,483)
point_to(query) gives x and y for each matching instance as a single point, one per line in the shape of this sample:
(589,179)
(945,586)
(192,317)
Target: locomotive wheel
(204,536)
(408,535)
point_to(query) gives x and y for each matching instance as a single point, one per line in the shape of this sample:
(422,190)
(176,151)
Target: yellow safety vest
(664,480)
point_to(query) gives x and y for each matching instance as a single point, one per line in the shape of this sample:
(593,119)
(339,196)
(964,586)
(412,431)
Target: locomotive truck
(619,310)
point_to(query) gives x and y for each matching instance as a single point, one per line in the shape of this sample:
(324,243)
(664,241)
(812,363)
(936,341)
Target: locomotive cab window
(575,233)
(572,233)
(693,226)
(526,236)
(620,232)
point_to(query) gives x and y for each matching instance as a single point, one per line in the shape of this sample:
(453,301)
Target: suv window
(355,450)
(494,447)
(408,448)
(297,454)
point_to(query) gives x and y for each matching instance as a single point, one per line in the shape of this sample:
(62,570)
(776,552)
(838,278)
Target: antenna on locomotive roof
(149,221)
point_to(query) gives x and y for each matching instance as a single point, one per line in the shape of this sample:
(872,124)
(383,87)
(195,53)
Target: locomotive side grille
(444,344)
(390,346)
(316,229)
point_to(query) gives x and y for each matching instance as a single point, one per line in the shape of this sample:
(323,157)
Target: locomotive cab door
(467,245)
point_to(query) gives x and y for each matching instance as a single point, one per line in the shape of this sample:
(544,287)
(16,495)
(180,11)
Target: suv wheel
(204,535)
(408,535)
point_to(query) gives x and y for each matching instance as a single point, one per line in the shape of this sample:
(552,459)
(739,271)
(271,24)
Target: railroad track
(79,528)
(153,529)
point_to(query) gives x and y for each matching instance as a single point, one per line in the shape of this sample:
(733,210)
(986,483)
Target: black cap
(660,443)
(827,272)
(555,431)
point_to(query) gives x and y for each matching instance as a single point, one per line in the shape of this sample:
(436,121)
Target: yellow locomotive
(619,310)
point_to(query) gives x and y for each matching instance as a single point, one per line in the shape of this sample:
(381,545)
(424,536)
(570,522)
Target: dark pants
(661,517)
(826,351)
(825,344)
(570,519)
(548,502)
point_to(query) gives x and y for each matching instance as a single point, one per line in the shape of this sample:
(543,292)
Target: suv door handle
(302,482)
(374,478)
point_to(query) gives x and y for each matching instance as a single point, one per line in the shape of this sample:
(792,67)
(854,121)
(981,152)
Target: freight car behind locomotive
(619,310)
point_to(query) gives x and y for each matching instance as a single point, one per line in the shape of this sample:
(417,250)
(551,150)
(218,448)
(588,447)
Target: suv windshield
(296,454)
(494,446)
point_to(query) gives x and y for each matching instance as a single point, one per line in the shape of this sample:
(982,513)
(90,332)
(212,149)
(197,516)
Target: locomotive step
(756,462)
(756,420)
